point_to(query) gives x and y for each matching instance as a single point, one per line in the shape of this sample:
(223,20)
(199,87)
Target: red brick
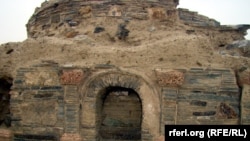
(71,77)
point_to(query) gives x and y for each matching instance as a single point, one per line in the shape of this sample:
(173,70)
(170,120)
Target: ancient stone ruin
(121,70)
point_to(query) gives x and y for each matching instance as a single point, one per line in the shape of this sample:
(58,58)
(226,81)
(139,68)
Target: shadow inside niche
(5,86)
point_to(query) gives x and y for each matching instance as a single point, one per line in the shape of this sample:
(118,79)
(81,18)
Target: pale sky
(14,14)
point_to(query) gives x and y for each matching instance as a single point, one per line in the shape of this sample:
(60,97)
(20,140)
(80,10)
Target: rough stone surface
(245,105)
(39,113)
(6,135)
(161,138)
(170,78)
(175,60)
(237,48)
(59,13)
(193,18)
(71,137)
(41,78)
(195,100)
(227,111)
(243,76)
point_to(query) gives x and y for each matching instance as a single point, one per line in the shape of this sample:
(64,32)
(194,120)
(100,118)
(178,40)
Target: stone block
(85,10)
(196,70)
(202,80)
(161,138)
(42,113)
(55,88)
(139,16)
(169,93)
(207,113)
(71,34)
(70,137)
(244,77)
(169,104)
(89,133)
(18,81)
(147,137)
(226,111)
(33,137)
(156,13)
(229,79)
(115,11)
(198,103)
(41,78)
(71,77)
(168,118)
(55,18)
(245,106)
(5,135)
(229,89)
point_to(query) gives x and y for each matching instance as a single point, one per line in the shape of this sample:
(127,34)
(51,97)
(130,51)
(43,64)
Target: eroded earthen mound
(81,45)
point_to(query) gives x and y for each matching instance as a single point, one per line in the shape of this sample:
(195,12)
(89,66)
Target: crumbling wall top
(54,14)
(55,17)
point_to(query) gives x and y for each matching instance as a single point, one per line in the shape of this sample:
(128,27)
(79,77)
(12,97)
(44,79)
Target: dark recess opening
(5,86)
(120,114)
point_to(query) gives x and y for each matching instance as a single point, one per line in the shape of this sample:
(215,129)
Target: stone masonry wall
(67,18)
(244,82)
(54,14)
(201,97)
(37,103)
(193,18)
(45,100)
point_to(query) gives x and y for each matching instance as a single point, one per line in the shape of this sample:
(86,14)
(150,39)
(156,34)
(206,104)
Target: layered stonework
(243,76)
(73,110)
(205,97)
(38,103)
(56,18)
(58,14)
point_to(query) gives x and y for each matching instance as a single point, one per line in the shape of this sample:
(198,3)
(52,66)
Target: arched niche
(95,88)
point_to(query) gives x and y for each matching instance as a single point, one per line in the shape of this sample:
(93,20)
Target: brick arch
(92,90)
